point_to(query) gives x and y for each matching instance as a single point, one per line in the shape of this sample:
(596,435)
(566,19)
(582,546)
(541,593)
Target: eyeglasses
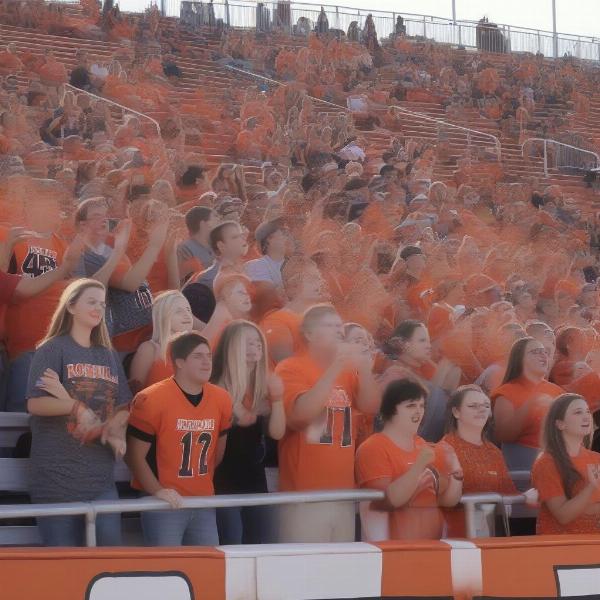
(538,351)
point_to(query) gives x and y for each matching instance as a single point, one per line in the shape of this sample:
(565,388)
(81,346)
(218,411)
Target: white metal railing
(472,135)
(285,15)
(563,156)
(90,510)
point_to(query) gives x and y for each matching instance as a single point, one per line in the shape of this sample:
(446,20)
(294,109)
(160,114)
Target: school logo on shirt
(90,372)
(39,261)
(326,429)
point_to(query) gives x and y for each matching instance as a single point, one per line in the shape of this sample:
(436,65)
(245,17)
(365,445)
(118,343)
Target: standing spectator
(179,426)
(229,244)
(567,474)
(171,315)
(195,254)
(417,479)
(273,241)
(78,396)
(129,297)
(521,403)
(304,286)
(240,367)
(323,387)
(468,427)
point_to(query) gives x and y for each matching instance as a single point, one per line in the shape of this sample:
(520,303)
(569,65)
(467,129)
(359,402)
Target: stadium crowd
(346,317)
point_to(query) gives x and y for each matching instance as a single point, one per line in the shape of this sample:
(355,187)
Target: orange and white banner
(496,568)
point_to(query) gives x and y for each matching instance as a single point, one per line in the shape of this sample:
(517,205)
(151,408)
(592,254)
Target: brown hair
(455,401)
(554,442)
(184,344)
(514,368)
(566,337)
(217,234)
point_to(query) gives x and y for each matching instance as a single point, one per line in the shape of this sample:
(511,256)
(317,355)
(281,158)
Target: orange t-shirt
(588,386)
(484,470)
(321,456)
(186,436)
(280,327)
(159,370)
(380,458)
(546,479)
(27,320)
(520,391)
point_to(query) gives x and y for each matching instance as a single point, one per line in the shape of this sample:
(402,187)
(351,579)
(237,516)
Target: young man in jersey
(176,437)
(324,386)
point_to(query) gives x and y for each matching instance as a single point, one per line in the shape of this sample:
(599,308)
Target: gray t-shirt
(191,249)
(63,469)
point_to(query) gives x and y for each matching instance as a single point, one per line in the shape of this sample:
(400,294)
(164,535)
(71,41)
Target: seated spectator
(468,431)
(521,403)
(171,315)
(274,243)
(567,474)
(304,286)
(323,387)
(187,451)
(417,479)
(195,253)
(572,347)
(240,367)
(78,396)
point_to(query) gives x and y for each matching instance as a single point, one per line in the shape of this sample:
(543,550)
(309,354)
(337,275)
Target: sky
(572,16)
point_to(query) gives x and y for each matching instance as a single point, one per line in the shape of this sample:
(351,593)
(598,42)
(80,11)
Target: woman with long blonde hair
(240,367)
(78,398)
(171,314)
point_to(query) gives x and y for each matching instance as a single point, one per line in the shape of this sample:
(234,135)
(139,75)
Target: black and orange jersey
(184,434)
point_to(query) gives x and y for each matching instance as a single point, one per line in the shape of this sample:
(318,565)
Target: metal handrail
(121,106)
(90,510)
(425,117)
(546,142)
(418,115)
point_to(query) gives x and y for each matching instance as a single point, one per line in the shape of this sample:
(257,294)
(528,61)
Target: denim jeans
(18,374)
(70,531)
(246,525)
(184,527)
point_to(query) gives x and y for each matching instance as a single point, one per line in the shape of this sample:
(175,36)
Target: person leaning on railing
(176,437)
(468,429)
(417,478)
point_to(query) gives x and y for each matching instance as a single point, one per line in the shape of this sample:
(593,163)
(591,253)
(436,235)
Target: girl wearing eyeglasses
(468,432)
(522,402)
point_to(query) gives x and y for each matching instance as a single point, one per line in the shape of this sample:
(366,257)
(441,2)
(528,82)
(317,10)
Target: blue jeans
(18,374)
(246,525)
(70,531)
(184,527)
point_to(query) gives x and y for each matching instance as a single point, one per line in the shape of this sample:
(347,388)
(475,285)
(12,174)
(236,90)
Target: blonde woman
(78,396)
(171,314)
(240,367)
